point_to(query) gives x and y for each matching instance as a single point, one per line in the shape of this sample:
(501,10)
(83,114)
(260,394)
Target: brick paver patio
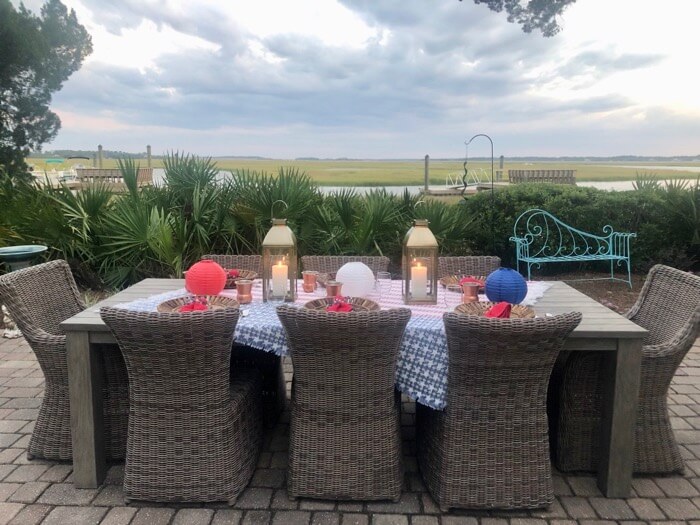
(33,492)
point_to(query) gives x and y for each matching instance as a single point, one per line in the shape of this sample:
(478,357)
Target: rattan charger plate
(242,274)
(517,311)
(359,304)
(214,302)
(454,279)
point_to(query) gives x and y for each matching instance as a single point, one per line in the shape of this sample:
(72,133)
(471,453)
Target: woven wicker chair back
(344,362)
(332,263)
(669,307)
(179,361)
(468,265)
(193,436)
(489,448)
(239,262)
(506,359)
(344,438)
(40,297)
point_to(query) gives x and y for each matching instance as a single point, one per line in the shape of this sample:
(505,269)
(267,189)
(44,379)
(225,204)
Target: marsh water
(622,185)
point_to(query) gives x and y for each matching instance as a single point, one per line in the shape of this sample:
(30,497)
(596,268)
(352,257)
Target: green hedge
(663,234)
(116,240)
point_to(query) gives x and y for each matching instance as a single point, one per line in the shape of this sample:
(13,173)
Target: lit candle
(279,279)
(419,281)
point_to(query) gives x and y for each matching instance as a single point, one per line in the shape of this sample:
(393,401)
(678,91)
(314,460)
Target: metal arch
(464,183)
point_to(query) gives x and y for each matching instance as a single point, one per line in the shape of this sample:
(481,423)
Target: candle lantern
(420,265)
(279,254)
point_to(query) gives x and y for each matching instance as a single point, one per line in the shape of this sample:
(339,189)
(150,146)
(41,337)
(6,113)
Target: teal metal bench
(541,238)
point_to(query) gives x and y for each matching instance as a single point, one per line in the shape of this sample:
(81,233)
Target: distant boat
(56,177)
(69,175)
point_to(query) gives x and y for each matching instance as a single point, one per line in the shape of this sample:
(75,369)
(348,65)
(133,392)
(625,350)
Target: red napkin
(339,305)
(500,310)
(233,273)
(470,279)
(191,307)
(194,305)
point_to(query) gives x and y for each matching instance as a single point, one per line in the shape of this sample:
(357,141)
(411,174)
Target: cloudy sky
(382,79)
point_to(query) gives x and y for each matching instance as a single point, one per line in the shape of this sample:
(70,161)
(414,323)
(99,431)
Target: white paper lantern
(357,279)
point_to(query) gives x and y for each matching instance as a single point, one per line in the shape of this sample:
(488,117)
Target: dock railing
(550,176)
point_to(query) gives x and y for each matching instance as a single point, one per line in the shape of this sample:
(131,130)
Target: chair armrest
(39,336)
(680,342)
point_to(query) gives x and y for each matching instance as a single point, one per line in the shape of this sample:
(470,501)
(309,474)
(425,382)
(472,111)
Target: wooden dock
(457,190)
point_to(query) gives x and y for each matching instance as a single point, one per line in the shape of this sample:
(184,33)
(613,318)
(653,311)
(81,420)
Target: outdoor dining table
(421,369)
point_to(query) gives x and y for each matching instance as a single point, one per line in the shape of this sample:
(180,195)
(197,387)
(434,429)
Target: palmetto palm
(257,196)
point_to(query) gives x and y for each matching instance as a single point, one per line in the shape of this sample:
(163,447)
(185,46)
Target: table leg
(87,426)
(621,371)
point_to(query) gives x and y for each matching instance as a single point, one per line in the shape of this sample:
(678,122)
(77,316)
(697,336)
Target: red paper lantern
(205,278)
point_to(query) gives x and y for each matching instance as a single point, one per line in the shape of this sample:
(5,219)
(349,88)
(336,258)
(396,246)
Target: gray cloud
(441,71)
(599,63)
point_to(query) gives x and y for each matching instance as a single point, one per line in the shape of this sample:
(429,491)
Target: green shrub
(647,213)
(159,231)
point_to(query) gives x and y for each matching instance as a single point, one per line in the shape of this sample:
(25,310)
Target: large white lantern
(357,279)
(420,265)
(279,263)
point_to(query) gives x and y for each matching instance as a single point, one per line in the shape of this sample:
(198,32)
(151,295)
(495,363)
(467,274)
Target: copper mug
(244,291)
(333,288)
(309,280)
(471,292)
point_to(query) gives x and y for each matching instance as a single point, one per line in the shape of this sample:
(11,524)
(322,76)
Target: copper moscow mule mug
(244,291)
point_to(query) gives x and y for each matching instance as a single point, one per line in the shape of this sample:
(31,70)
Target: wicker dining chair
(468,265)
(332,263)
(669,308)
(238,262)
(345,436)
(39,298)
(267,364)
(194,434)
(489,447)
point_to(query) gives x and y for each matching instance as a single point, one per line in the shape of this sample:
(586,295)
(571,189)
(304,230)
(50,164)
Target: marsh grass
(410,173)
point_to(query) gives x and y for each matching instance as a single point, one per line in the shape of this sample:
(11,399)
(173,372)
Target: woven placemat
(359,304)
(517,311)
(213,302)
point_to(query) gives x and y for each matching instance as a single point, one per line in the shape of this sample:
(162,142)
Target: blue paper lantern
(505,284)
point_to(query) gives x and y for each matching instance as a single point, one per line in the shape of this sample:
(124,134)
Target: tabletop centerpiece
(279,254)
(419,264)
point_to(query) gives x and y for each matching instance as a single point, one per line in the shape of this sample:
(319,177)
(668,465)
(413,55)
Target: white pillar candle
(419,281)
(279,279)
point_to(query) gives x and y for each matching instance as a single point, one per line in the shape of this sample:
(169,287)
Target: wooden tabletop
(598,320)
(90,320)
